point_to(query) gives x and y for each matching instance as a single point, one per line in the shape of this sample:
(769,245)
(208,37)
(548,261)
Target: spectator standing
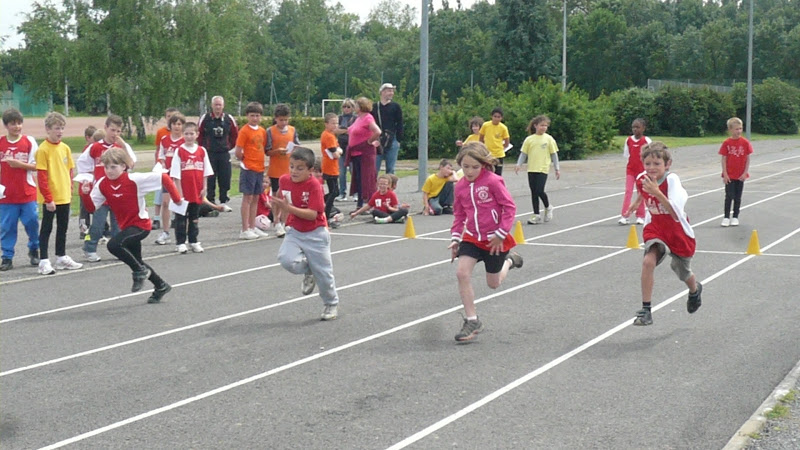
(389,117)
(345,120)
(217,134)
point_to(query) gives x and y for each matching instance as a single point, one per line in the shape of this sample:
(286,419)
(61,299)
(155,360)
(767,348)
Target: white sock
(472,318)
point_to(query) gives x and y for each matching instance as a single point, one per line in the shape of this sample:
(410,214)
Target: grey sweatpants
(301,253)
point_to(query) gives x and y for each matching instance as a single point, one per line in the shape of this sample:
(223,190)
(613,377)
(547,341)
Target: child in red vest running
(124,193)
(666,228)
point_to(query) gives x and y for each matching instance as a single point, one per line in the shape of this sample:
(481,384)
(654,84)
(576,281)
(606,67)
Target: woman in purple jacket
(483,213)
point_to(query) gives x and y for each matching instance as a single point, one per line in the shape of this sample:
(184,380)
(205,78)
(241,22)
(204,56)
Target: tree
(527,44)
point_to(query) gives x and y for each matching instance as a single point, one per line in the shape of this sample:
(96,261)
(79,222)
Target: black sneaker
(643,317)
(447,209)
(156,224)
(694,302)
(159,293)
(469,330)
(213,213)
(6,265)
(516,260)
(34,257)
(139,278)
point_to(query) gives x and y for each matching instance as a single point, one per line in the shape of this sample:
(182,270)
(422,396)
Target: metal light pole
(423,95)
(564,52)
(749,113)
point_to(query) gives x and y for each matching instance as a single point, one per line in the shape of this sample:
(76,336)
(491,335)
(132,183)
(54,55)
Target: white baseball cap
(385,86)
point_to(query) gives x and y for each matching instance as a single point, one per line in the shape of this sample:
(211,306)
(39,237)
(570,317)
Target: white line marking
(566,356)
(314,357)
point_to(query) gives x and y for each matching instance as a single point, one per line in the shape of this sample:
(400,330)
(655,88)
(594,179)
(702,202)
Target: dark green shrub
(678,113)
(633,103)
(776,106)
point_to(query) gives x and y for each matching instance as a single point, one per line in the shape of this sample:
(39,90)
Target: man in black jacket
(389,118)
(218,133)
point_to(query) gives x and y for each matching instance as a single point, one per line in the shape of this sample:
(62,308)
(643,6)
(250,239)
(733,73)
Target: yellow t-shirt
(56,159)
(473,138)
(493,137)
(433,185)
(539,148)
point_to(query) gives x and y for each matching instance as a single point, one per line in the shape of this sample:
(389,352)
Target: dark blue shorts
(250,182)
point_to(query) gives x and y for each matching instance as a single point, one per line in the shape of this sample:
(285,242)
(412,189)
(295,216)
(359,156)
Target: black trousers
(332,181)
(221,163)
(536,181)
(61,216)
(187,224)
(733,194)
(127,247)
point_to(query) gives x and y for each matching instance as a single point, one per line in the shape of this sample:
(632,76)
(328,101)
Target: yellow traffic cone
(519,238)
(754,248)
(410,233)
(633,238)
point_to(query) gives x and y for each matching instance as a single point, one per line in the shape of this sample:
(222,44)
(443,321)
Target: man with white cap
(389,118)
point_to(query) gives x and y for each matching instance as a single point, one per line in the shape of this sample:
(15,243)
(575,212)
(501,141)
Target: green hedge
(776,106)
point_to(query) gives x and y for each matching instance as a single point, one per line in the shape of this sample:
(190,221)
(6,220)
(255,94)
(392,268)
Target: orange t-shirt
(163,131)
(279,164)
(330,166)
(252,141)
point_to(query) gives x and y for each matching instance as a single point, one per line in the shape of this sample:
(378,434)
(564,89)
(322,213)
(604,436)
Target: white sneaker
(343,198)
(45,268)
(196,247)
(735,222)
(103,240)
(91,256)
(280,230)
(725,222)
(65,262)
(536,219)
(258,232)
(247,235)
(338,217)
(226,208)
(181,248)
(623,221)
(308,284)
(548,213)
(163,238)
(639,221)
(330,312)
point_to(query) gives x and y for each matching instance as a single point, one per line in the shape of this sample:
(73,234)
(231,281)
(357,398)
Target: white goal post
(330,100)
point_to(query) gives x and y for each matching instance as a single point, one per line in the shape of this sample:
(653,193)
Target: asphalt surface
(236,357)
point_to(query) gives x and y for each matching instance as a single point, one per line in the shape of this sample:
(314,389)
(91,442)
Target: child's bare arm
(359,210)
(20,164)
(725,176)
(634,205)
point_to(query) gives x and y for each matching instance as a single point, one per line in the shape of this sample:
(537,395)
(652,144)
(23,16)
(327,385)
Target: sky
(13,13)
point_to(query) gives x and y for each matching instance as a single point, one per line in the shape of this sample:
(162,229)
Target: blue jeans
(390,155)
(10,213)
(98,226)
(342,177)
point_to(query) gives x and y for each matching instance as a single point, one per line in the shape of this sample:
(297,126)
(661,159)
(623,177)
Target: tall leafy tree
(527,43)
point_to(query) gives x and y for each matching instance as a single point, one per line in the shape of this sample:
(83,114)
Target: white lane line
(186,283)
(566,356)
(210,321)
(316,356)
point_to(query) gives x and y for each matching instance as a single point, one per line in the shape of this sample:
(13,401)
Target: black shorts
(493,263)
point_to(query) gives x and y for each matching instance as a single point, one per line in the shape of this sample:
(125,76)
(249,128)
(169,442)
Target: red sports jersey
(307,195)
(191,166)
(736,152)
(95,152)
(633,150)
(125,196)
(659,224)
(167,149)
(382,202)
(19,183)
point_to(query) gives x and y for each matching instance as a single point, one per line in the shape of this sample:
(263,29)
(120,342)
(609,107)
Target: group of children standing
(482,207)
